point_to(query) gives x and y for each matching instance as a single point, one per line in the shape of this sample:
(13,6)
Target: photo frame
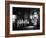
(24,18)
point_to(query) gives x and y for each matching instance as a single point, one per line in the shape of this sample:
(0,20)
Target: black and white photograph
(25,18)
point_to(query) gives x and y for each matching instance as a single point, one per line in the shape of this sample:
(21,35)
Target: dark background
(22,13)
